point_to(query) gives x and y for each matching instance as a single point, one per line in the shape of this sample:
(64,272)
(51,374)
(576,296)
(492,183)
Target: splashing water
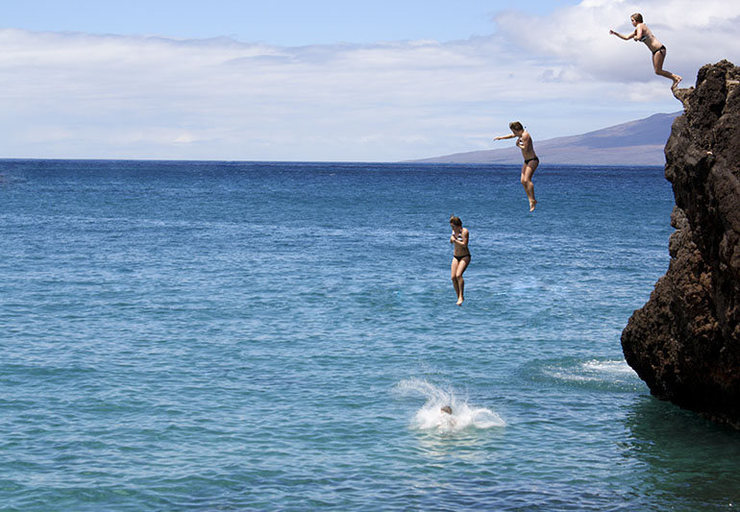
(431,416)
(612,371)
(618,367)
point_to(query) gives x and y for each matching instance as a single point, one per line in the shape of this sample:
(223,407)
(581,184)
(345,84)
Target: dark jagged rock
(685,342)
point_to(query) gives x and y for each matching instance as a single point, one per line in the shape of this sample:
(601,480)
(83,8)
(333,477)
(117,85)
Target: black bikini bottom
(662,48)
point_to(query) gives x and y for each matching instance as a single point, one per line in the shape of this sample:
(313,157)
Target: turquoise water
(270,336)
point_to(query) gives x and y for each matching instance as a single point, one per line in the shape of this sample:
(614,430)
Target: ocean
(230,336)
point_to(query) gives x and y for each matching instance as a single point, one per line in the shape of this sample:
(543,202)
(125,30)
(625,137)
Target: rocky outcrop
(685,342)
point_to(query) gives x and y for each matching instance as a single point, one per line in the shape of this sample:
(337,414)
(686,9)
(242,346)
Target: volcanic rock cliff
(685,342)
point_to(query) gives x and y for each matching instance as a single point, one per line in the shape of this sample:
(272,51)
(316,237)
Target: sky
(333,80)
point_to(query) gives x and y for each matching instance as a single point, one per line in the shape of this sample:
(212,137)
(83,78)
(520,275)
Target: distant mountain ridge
(639,142)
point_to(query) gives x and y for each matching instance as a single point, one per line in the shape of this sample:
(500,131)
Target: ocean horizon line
(333,162)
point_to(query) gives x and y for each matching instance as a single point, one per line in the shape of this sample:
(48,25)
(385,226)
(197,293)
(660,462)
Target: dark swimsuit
(648,36)
(461,256)
(530,159)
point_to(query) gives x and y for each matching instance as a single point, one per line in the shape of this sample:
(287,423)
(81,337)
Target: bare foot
(532,205)
(676,81)
(459,301)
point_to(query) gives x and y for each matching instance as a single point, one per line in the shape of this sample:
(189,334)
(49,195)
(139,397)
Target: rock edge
(685,341)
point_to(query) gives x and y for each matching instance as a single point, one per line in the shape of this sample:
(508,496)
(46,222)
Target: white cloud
(80,95)
(695,34)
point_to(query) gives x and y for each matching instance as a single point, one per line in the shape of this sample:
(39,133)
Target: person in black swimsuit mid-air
(461,256)
(524,142)
(643,34)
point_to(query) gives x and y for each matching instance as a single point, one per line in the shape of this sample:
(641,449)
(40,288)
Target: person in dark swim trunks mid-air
(524,142)
(642,34)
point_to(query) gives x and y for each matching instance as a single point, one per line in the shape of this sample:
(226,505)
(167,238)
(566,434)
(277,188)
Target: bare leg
(527,172)
(453,276)
(658,59)
(460,287)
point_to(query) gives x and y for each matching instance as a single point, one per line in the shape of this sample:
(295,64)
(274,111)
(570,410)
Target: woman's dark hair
(516,126)
(455,221)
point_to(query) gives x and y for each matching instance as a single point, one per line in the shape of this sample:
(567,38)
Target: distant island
(638,142)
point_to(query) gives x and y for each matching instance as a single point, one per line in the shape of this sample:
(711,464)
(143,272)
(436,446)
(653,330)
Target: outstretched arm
(626,38)
(502,137)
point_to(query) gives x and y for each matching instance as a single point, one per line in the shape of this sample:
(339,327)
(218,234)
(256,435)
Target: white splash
(619,367)
(431,416)
(593,371)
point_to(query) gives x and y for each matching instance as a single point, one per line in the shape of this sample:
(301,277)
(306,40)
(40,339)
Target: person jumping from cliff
(524,142)
(642,34)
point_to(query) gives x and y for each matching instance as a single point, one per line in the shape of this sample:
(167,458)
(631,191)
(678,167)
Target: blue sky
(279,22)
(330,80)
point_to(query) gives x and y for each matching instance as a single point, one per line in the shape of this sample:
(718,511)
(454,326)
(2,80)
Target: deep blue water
(271,336)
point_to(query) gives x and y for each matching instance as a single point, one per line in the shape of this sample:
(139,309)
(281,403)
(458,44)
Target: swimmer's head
(637,17)
(446,409)
(516,126)
(455,221)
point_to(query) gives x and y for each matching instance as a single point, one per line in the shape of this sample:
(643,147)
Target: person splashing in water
(447,421)
(460,256)
(524,142)
(642,34)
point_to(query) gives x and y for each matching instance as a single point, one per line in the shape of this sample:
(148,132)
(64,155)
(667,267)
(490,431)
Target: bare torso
(524,142)
(462,236)
(645,35)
